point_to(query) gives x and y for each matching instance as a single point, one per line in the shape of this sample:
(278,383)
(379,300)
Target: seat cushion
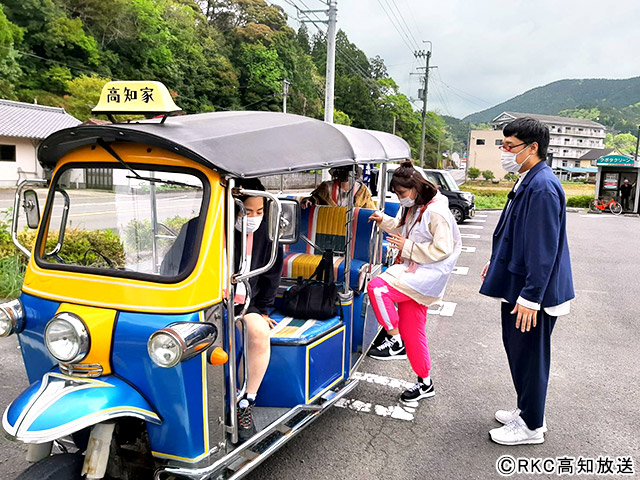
(293,331)
(303,265)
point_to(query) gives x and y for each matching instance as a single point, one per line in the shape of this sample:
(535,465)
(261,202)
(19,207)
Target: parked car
(462,204)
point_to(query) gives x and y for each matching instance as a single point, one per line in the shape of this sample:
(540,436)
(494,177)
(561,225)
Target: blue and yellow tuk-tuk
(126,321)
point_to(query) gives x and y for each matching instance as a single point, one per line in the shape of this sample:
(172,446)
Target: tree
(488,175)
(10,71)
(623,142)
(473,173)
(511,177)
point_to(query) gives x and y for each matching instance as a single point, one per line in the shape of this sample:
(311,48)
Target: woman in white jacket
(428,241)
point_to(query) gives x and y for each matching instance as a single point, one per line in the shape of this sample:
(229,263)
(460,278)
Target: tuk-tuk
(126,321)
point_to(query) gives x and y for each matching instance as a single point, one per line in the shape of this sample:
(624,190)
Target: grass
(494,195)
(12,270)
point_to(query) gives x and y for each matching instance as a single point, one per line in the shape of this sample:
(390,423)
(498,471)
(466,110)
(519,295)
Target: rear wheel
(615,208)
(64,466)
(592,205)
(457,213)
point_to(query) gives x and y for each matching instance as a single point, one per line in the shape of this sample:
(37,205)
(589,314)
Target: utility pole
(331,61)
(424,91)
(285,92)
(393,129)
(332,18)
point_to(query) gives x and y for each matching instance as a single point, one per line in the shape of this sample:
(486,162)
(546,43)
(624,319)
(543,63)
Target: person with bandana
(428,242)
(263,293)
(530,274)
(335,192)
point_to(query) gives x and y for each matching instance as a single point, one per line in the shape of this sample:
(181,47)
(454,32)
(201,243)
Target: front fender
(59,405)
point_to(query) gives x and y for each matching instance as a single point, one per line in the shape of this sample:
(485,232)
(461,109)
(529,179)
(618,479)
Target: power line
(407,29)
(407,43)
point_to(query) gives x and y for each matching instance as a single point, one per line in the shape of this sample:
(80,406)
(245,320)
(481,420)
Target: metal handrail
(274,244)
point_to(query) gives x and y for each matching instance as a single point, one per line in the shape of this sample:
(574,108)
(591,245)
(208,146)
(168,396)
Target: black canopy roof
(241,143)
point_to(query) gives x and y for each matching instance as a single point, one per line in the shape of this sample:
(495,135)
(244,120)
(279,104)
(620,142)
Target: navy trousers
(529,356)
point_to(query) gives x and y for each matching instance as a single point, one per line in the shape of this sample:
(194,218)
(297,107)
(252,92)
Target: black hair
(342,173)
(249,184)
(405,176)
(529,130)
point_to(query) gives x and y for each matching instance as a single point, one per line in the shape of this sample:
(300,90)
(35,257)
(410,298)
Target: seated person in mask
(263,292)
(335,192)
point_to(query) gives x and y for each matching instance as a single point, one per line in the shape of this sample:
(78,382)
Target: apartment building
(569,138)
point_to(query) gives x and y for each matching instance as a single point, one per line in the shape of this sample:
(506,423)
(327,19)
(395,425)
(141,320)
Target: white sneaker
(516,432)
(508,416)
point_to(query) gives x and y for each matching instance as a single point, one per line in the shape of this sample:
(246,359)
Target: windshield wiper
(136,175)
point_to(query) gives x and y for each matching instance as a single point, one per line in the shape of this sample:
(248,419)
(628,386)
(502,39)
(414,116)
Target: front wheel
(593,205)
(457,213)
(64,466)
(615,208)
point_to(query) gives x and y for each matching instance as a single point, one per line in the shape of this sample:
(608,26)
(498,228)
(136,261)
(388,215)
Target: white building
(569,138)
(23,126)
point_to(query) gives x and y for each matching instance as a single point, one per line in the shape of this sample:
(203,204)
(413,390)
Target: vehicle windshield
(121,225)
(450,182)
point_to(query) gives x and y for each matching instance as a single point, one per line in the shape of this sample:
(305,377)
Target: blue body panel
(58,405)
(35,355)
(176,394)
(298,374)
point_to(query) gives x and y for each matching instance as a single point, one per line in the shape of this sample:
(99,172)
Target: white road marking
(480,216)
(468,249)
(476,227)
(477,220)
(394,411)
(469,235)
(444,309)
(460,270)
(381,380)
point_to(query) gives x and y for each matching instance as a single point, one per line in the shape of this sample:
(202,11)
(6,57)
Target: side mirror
(31,208)
(289,221)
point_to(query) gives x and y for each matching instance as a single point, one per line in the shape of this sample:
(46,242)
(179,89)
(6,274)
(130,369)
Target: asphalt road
(593,406)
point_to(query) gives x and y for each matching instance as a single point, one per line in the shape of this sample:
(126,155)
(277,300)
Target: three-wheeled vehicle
(126,320)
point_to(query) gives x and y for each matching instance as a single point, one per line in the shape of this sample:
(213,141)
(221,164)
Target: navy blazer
(530,256)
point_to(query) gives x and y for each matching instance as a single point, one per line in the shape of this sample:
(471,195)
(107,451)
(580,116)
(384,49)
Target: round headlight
(67,338)
(165,348)
(11,318)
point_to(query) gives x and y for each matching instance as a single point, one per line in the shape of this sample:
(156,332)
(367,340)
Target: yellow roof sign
(135,97)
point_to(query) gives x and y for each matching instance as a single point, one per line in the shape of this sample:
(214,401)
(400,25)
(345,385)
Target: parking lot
(593,406)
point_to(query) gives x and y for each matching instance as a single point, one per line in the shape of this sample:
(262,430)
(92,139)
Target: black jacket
(265,286)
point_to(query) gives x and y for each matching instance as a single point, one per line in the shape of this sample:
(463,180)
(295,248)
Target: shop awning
(579,169)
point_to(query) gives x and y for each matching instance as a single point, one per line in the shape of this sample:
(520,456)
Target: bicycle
(597,204)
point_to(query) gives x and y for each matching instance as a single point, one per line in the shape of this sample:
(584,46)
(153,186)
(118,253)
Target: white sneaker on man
(516,432)
(508,416)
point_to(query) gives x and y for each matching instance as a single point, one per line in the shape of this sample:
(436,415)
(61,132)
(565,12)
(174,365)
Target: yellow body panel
(332,221)
(99,321)
(202,288)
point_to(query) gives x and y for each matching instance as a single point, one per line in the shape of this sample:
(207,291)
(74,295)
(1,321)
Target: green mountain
(616,101)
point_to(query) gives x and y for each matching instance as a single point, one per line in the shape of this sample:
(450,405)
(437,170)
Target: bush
(473,173)
(12,268)
(511,177)
(488,175)
(579,201)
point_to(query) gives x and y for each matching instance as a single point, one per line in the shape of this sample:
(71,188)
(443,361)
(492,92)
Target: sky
(488,51)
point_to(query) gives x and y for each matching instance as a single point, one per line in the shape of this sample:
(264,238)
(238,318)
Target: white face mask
(407,201)
(510,163)
(253,223)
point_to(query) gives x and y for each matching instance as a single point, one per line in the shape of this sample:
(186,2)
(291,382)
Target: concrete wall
(486,156)
(25,161)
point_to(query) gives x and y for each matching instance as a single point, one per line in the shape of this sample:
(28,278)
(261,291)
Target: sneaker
(246,426)
(508,416)
(516,432)
(419,391)
(390,349)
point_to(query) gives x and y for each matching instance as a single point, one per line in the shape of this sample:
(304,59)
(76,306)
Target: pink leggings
(410,318)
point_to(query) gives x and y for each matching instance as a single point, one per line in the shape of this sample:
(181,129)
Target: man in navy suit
(530,272)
